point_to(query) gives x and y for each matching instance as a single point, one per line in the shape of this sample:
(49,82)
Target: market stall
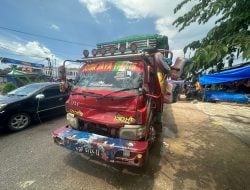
(233,85)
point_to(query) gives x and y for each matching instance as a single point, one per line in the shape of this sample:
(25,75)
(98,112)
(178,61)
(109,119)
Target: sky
(33,30)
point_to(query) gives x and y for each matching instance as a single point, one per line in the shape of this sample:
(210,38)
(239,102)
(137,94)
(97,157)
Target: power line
(47,37)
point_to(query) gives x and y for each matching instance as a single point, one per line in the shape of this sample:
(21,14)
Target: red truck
(113,107)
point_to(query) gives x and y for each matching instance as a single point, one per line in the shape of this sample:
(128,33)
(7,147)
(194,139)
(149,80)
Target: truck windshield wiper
(86,94)
(100,95)
(124,89)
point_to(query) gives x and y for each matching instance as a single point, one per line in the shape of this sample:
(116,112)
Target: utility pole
(56,70)
(49,66)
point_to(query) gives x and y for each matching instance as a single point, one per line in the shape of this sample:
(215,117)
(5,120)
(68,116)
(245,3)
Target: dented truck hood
(94,106)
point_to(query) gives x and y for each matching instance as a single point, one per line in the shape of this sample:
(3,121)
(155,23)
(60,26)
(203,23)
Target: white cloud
(164,26)
(138,9)
(133,9)
(177,53)
(54,27)
(161,10)
(32,50)
(95,6)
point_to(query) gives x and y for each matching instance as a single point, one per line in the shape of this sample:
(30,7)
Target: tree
(5,71)
(229,35)
(8,87)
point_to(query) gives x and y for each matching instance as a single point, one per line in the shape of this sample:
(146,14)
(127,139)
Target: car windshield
(112,76)
(26,90)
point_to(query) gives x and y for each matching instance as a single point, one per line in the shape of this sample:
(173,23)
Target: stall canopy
(226,76)
(15,72)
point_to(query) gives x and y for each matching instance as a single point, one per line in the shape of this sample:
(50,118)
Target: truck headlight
(132,132)
(72,120)
(2,106)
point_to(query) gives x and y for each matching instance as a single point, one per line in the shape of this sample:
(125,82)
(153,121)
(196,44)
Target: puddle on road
(164,146)
(164,149)
(166,133)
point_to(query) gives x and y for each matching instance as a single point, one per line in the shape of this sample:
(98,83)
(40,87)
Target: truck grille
(99,129)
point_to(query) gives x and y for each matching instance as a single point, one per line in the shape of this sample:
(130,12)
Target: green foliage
(23,81)
(8,87)
(1,88)
(230,34)
(5,71)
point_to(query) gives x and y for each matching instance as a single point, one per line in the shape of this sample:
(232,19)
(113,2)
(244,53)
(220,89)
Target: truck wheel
(19,121)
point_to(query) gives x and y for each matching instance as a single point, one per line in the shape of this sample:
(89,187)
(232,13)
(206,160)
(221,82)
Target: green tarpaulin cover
(161,40)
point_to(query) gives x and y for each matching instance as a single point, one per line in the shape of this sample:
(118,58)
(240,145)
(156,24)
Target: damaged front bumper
(109,149)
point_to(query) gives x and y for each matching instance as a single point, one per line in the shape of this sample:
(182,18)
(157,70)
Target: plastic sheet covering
(226,76)
(226,97)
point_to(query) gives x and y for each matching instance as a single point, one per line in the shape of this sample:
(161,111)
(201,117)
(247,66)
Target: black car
(33,101)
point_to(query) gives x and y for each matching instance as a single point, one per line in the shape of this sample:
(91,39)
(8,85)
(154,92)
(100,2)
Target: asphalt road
(30,160)
(200,148)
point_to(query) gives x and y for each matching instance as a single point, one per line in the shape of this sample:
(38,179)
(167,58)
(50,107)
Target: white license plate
(92,152)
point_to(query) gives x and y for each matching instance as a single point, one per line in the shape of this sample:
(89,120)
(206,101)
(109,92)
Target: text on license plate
(90,151)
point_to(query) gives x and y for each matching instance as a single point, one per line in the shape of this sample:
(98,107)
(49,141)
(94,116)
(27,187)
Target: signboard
(113,66)
(21,63)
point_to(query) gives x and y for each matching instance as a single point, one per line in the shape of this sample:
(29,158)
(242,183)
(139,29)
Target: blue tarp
(225,96)
(226,76)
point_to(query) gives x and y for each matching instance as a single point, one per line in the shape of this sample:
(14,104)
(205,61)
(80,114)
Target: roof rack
(133,44)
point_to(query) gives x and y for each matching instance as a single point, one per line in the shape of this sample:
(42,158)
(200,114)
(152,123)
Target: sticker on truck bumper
(106,148)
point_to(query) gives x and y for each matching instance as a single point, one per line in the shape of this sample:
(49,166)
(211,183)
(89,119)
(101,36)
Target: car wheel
(19,121)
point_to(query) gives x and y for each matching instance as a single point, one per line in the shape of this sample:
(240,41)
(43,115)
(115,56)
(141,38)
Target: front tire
(19,121)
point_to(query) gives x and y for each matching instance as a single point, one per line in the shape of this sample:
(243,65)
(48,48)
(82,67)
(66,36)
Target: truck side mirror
(149,70)
(64,86)
(61,73)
